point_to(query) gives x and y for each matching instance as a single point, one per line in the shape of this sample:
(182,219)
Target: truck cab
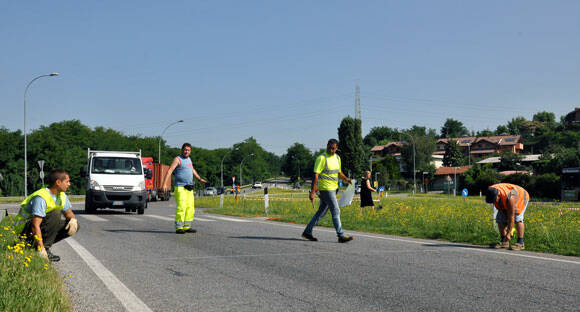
(115,180)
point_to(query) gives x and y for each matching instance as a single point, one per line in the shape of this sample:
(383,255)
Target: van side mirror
(148,173)
(83,171)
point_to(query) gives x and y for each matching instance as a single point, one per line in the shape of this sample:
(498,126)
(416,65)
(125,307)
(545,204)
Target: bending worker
(326,173)
(183,190)
(511,202)
(39,218)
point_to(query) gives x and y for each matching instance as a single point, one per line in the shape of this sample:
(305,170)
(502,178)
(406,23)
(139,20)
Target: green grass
(28,282)
(455,219)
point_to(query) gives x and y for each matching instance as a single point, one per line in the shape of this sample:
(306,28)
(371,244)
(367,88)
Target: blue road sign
(464,192)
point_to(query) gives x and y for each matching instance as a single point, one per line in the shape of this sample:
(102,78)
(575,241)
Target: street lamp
(222,165)
(161,136)
(241,181)
(25,146)
(414,178)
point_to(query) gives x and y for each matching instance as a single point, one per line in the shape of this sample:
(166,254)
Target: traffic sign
(464,192)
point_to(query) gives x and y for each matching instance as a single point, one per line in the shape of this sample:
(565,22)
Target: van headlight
(140,187)
(96,186)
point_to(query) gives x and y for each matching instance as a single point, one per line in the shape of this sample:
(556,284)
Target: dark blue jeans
(327,202)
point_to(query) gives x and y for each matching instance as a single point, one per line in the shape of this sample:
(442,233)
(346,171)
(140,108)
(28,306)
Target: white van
(115,180)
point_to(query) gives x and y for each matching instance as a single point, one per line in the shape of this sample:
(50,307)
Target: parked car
(220,190)
(210,191)
(257,185)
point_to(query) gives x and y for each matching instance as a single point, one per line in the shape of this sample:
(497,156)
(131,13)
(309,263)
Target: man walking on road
(183,190)
(511,202)
(327,171)
(39,218)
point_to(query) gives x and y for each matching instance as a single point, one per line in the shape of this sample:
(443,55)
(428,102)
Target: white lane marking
(94,218)
(172,219)
(161,218)
(202,219)
(227,219)
(129,217)
(127,298)
(431,243)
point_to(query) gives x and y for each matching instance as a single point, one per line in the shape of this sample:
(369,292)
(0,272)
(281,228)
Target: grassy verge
(548,229)
(28,282)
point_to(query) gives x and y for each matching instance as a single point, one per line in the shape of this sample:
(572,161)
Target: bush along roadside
(28,282)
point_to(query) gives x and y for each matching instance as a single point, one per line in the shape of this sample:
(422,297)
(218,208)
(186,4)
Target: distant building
(475,146)
(445,177)
(482,146)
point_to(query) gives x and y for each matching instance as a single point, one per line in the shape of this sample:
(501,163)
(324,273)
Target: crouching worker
(511,202)
(39,218)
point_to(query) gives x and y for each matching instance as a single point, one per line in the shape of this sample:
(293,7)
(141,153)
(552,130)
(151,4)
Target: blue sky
(285,71)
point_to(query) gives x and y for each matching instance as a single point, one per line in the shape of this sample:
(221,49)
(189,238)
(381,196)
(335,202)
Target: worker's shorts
(500,216)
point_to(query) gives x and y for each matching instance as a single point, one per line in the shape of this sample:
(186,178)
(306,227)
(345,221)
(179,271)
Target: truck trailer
(153,184)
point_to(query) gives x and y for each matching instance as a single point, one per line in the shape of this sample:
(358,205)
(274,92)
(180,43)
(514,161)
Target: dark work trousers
(52,227)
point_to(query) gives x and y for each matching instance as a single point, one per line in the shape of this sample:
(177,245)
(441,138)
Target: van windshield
(116,165)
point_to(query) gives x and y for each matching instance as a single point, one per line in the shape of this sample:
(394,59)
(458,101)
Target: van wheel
(141,210)
(89,207)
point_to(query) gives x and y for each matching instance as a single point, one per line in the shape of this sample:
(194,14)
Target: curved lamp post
(25,146)
(161,136)
(222,164)
(241,181)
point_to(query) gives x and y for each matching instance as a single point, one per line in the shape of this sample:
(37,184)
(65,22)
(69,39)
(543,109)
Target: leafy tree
(351,150)
(377,135)
(502,130)
(386,169)
(297,159)
(485,132)
(453,129)
(479,177)
(545,117)
(453,154)
(424,146)
(510,161)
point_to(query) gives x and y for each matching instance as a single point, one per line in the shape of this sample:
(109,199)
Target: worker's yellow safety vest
(23,216)
(328,178)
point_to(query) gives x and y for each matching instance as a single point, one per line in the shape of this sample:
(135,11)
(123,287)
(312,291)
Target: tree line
(64,145)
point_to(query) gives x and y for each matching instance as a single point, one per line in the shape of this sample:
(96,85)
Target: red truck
(153,185)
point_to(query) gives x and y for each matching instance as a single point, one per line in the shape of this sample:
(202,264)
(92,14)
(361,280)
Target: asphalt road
(132,262)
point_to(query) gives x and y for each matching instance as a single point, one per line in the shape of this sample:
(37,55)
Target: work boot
(190,230)
(180,231)
(345,239)
(517,246)
(52,257)
(309,237)
(501,245)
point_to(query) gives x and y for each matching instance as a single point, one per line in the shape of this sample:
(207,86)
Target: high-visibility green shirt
(328,168)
